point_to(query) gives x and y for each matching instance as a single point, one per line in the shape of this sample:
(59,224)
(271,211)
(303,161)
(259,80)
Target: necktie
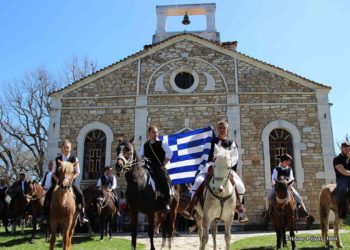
(44,181)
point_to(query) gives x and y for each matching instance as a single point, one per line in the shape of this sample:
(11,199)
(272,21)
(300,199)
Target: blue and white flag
(190,153)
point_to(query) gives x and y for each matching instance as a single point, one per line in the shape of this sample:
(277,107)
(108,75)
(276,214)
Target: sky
(307,37)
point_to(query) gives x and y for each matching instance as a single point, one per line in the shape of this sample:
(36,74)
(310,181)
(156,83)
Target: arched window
(94,154)
(281,142)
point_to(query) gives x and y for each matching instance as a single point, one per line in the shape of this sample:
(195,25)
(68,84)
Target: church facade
(185,81)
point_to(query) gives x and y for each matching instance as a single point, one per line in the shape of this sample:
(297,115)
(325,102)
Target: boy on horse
(108,181)
(283,170)
(222,141)
(66,156)
(342,170)
(46,181)
(159,154)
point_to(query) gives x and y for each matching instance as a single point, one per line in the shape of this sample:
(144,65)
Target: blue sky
(308,37)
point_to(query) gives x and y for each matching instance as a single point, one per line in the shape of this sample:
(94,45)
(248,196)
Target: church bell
(186,20)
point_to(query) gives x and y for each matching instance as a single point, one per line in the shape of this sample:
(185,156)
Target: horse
(4,210)
(283,213)
(36,195)
(219,200)
(62,207)
(140,195)
(106,209)
(328,202)
(90,196)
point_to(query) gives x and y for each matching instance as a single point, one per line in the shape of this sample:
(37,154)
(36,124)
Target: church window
(184,80)
(281,142)
(94,154)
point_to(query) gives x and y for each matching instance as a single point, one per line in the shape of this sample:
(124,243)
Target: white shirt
(275,174)
(48,183)
(65,158)
(114,185)
(166,148)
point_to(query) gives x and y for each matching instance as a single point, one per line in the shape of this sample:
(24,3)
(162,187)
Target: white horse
(219,200)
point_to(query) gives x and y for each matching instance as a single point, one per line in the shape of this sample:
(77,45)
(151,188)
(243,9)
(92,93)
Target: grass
(305,241)
(80,242)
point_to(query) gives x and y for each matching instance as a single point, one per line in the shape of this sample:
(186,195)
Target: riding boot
(242,217)
(82,217)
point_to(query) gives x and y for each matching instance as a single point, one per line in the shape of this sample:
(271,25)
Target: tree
(77,68)
(24,116)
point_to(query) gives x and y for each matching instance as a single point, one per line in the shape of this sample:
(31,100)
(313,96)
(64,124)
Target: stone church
(189,80)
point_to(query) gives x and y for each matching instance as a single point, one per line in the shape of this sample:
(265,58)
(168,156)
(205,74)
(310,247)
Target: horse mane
(67,167)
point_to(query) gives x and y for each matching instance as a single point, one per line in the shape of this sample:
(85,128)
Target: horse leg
(279,236)
(71,230)
(133,224)
(205,236)
(199,222)
(102,227)
(164,222)
(292,238)
(336,226)
(150,229)
(284,239)
(53,228)
(324,221)
(214,230)
(34,231)
(110,226)
(228,224)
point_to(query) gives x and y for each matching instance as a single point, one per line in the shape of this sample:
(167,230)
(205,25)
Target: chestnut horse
(62,207)
(140,195)
(283,213)
(328,202)
(36,194)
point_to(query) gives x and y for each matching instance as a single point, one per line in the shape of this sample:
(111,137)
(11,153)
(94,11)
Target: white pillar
(141,115)
(161,21)
(54,130)
(211,19)
(324,117)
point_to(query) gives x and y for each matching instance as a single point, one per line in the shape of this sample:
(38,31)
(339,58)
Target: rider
(66,156)
(284,170)
(109,181)
(222,141)
(342,171)
(46,181)
(159,154)
(22,183)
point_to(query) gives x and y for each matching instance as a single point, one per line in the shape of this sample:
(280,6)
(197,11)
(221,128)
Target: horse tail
(325,200)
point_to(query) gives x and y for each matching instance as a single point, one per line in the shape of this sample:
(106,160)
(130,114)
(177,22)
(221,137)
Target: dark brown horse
(63,211)
(328,202)
(106,209)
(4,210)
(283,213)
(36,195)
(140,195)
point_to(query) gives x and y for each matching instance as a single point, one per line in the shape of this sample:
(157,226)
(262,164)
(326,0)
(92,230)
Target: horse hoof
(32,241)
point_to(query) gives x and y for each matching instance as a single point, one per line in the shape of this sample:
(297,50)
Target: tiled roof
(224,45)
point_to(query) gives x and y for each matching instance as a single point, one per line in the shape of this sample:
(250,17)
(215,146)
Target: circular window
(184,80)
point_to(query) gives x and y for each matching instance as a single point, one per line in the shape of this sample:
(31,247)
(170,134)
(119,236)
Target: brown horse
(140,195)
(328,202)
(283,213)
(106,209)
(4,210)
(36,194)
(62,207)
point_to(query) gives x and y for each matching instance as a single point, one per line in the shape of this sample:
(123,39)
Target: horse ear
(132,139)
(290,183)
(59,162)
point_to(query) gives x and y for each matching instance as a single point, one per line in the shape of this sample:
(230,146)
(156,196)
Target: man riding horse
(284,171)
(66,156)
(342,170)
(108,181)
(222,141)
(159,154)
(22,183)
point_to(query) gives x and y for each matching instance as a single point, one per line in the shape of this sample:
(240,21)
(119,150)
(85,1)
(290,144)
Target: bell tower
(207,9)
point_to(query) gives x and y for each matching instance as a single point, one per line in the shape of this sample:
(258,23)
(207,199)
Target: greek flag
(190,153)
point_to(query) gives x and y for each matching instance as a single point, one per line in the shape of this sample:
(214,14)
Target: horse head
(282,188)
(65,173)
(13,189)
(99,200)
(126,156)
(222,166)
